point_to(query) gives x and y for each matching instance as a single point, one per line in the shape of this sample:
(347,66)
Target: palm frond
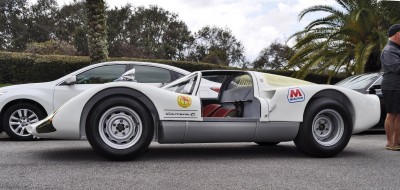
(344,4)
(343,41)
(321,8)
(330,20)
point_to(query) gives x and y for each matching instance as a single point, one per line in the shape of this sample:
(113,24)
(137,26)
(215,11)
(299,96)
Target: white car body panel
(63,93)
(68,116)
(278,99)
(41,93)
(295,111)
(276,102)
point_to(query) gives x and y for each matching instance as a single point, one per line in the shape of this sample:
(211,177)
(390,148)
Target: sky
(256,23)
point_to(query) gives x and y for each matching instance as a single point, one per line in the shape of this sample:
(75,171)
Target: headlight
(2,92)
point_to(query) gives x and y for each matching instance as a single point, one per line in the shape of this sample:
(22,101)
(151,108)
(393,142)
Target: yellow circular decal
(184,101)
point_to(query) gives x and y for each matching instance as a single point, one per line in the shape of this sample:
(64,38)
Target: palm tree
(97,33)
(349,39)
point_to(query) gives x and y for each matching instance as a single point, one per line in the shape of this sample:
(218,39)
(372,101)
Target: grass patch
(3,85)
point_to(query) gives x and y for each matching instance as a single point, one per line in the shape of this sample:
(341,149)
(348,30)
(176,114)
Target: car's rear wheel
(267,143)
(18,117)
(120,128)
(326,129)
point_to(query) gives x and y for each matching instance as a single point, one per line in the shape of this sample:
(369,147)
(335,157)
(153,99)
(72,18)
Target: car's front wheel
(120,128)
(326,128)
(18,117)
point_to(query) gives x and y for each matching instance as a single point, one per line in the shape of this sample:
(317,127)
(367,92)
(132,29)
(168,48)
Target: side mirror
(161,85)
(70,80)
(373,88)
(127,76)
(376,86)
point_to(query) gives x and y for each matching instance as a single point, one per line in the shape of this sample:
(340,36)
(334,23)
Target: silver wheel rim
(120,127)
(328,127)
(20,119)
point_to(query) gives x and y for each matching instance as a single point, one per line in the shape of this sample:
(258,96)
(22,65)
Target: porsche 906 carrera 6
(120,119)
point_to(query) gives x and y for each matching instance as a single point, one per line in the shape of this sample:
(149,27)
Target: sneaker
(393,148)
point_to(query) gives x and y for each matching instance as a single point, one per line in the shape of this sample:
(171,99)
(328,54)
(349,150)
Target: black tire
(326,128)
(24,114)
(267,143)
(120,118)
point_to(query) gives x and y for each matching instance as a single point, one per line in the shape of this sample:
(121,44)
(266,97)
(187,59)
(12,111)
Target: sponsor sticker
(295,95)
(184,101)
(180,114)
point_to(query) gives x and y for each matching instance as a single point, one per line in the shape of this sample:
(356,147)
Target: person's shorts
(392,100)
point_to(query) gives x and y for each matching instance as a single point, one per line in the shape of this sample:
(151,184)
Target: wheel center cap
(120,127)
(24,122)
(322,127)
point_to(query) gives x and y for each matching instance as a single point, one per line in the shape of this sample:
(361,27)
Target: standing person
(390,59)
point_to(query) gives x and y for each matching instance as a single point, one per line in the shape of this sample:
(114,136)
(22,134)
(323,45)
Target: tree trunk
(97,33)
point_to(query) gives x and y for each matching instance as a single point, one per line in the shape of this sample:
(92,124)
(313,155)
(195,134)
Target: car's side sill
(227,131)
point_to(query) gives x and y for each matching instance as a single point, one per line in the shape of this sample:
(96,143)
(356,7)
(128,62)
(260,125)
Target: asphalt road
(48,164)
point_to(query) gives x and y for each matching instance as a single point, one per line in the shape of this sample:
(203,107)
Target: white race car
(120,119)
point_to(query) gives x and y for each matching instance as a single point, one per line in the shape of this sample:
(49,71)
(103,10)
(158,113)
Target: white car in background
(21,105)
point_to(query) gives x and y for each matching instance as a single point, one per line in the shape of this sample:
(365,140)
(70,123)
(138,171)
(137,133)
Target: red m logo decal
(295,93)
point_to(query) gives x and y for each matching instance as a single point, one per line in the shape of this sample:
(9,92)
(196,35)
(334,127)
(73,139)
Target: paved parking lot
(49,164)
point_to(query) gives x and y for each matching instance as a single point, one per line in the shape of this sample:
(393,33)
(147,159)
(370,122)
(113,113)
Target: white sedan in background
(21,105)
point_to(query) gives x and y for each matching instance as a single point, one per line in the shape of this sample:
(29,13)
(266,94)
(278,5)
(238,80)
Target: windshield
(359,81)
(183,85)
(127,76)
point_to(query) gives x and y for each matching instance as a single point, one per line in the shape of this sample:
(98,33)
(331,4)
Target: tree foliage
(157,33)
(141,32)
(348,39)
(41,21)
(13,15)
(274,57)
(71,26)
(117,19)
(219,46)
(51,47)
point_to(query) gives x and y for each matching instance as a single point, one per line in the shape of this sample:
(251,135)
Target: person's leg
(396,129)
(389,128)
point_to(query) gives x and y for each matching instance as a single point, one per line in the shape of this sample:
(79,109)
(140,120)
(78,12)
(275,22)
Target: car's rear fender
(368,110)
(285,109)
(338,96)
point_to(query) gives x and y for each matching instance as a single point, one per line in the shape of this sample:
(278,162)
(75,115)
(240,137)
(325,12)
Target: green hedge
(25,67)
(18,68)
